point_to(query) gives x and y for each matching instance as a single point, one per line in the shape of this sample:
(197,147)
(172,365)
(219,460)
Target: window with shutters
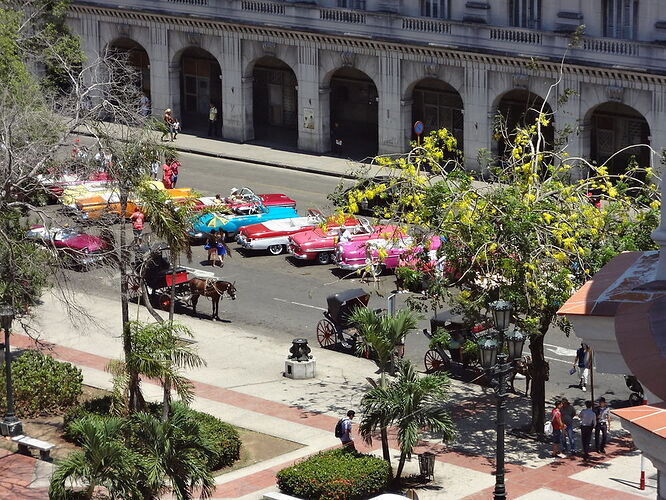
(620,18)
(435,8)
(525,13)
(352,4)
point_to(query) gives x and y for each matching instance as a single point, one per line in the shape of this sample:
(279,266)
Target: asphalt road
(287,298)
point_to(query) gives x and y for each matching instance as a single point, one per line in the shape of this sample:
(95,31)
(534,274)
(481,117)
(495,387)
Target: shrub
(335,474)
(225,435)
(42,385)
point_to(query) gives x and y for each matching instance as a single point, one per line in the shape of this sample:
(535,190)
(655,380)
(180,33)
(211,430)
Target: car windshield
(66,234)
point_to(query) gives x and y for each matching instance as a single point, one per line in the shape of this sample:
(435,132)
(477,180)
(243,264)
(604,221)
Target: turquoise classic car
(231,223)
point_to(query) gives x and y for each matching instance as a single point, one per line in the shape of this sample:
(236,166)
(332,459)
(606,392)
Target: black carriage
(153,264)
(459,332)
(335,328)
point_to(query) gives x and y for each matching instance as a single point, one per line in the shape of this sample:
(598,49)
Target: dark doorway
(615,126)
(354,108)
(520,109)
(438,105)
(275,103)
(201,85)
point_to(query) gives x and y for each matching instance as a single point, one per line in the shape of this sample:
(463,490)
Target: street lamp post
(10,425)
(498,365)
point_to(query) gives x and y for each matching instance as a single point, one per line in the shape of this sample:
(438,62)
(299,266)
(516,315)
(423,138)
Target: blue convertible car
(231,223)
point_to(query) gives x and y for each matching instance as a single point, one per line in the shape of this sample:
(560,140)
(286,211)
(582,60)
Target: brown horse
(212,288)
(525,367)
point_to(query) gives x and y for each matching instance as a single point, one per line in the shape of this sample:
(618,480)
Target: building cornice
(458,56)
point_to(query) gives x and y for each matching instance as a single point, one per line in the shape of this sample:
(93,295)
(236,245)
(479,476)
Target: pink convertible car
(353,255)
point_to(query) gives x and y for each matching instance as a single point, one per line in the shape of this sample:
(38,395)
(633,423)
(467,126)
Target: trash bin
(427,465)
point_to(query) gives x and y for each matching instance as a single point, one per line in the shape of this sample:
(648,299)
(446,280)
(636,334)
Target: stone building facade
(301,72)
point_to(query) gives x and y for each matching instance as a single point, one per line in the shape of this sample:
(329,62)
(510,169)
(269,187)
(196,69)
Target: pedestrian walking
(155,168)
(603,426)
(568,413)
(175,168)
(144,105)
(582,363)
(211,246)
(221,246)
(170,122)
(212,120)
(167,178)
(588,421)
(345,430)
(137,225)
(558,427)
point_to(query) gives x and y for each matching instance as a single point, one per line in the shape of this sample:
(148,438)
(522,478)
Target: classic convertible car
(77,249)
(231,223)
(319,244)
(244,199)
(385,253)
(274,235)
(56,185)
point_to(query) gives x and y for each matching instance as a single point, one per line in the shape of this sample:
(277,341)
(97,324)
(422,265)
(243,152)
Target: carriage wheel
(164,301)
(435,362)
(276,249)
(326,333)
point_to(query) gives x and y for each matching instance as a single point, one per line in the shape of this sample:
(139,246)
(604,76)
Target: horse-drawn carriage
(153,267)
(453,335)
(335,328)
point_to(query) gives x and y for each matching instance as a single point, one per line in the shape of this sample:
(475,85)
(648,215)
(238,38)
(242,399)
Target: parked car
(75,248)
(319,243)
(244,199)
(395,251)
(274,235)
(203,224)
(56,185)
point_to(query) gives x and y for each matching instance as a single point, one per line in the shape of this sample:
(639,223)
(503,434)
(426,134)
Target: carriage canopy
(341,304)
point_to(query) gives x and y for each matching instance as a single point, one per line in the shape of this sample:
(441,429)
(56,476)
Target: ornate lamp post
(10,425)
(498,365)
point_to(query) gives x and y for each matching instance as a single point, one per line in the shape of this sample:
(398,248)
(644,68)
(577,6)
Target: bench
(26,442)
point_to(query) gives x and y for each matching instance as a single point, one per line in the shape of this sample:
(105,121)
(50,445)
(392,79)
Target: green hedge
(229,443)
(335,475)
(225,435)
(42,385)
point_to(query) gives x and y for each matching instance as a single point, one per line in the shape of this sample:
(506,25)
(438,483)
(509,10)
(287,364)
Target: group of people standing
(217,247)
(170,170)
(595,420)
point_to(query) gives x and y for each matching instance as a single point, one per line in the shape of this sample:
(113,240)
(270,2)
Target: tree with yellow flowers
(541,227)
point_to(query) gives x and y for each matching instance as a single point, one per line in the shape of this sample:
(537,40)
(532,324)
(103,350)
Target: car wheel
(323,257)
(276,249)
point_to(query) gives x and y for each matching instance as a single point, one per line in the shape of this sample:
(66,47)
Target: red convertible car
(76,249)
(319,244)
(274,235)
(241,198)
(56,185)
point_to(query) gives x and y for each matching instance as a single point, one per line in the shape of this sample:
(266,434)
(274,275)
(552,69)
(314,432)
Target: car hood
(81,241)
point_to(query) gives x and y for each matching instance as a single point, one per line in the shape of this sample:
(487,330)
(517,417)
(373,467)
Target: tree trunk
(172,305)
(401,465)
(90,490)
(166,399)
(539,375)
(382,431)
(135,400)
(146,302)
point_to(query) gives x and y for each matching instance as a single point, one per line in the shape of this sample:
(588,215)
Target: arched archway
(354,108)
(520,108)
(200,85)
(438,105)
(275,102)
(137,58)
(614,126)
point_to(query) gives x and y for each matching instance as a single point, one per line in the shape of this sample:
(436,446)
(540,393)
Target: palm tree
(411,403)
(176,454)
(382,334)
(158,352)
(103,460)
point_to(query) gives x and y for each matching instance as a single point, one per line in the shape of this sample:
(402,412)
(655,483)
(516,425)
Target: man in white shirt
(212,120)
(588,420)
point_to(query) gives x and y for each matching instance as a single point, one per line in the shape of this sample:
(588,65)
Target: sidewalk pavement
(244,384)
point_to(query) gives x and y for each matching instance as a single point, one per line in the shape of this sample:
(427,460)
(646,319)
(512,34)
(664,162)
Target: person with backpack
(343,430)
